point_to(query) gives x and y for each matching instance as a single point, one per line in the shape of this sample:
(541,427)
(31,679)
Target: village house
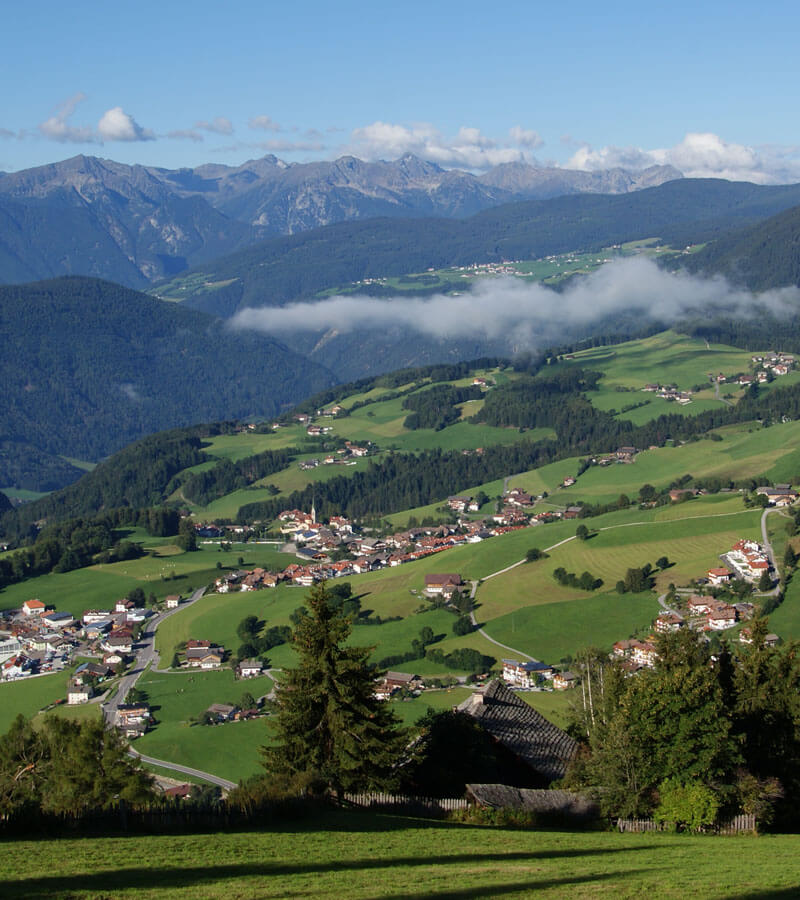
(748,559)
(172,601)
(55,619)
(33,607)
(562,681)
(250,668)
(95,615)
(746,637)
(699,606)
(118,641)
(644,653)
(132,719)
(442,584)
(722,616)
(78,692)
(525,674)
(719,576)
(222,712)
(667,622)
(209,657)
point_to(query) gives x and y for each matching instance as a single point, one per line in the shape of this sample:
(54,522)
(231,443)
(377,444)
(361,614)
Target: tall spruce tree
(330,728)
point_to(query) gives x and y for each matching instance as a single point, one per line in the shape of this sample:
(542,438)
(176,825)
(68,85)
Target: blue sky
(710,87)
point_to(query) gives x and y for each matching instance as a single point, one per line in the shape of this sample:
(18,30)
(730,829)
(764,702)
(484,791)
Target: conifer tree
(330,728)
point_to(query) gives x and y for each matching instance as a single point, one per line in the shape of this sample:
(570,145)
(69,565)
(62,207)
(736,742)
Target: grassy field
(170,572)
(229,750)
(336,854)
(29,695)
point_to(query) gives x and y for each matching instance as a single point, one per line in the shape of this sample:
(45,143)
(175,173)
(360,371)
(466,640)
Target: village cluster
(40,640)
(315,544)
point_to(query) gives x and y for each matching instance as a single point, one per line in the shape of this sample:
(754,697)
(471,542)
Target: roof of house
(503,796)
(543,746)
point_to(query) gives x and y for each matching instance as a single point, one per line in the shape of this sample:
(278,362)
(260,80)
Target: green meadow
(29,695)
(229,750)
(334,854)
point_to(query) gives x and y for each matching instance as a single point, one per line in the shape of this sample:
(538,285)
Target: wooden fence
(736,825)
(405,803)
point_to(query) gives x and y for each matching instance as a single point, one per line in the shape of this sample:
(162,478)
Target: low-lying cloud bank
(525,314)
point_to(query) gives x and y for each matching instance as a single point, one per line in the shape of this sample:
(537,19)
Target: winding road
(146,654)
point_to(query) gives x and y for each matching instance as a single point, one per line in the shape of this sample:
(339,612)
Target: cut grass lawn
(334,854)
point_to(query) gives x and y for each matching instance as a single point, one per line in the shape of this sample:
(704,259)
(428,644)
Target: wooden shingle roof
(526,733)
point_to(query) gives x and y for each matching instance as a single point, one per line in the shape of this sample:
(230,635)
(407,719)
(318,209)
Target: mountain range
(139,224)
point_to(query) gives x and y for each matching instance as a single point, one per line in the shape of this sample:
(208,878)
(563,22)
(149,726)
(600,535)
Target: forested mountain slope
(283,269)
(89,366)
(762,256)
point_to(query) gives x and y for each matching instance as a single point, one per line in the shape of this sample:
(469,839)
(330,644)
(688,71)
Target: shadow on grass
(190,877)
(770,894)
(498,890)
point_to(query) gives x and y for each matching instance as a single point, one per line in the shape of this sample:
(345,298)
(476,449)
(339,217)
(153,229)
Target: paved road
(145,655)
(185,770)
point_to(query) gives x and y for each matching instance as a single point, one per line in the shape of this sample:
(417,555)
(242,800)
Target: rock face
(139,224)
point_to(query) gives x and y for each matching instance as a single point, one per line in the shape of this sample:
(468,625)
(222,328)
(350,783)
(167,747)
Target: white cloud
(117,125)
(469,148)
(496,308)
(525,137)
(185,134)
(218,125)
(700,155)
(263,123)
(57,127)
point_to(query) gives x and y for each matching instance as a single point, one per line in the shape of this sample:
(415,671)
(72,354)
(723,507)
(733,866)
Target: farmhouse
(172,601)
(222,712)
(204,657)
(438,585)
(250,668)
(545,749)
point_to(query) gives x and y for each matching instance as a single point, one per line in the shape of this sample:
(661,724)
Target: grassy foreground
(361,855)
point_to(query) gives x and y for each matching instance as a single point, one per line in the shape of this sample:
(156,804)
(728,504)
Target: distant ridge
(139,224)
